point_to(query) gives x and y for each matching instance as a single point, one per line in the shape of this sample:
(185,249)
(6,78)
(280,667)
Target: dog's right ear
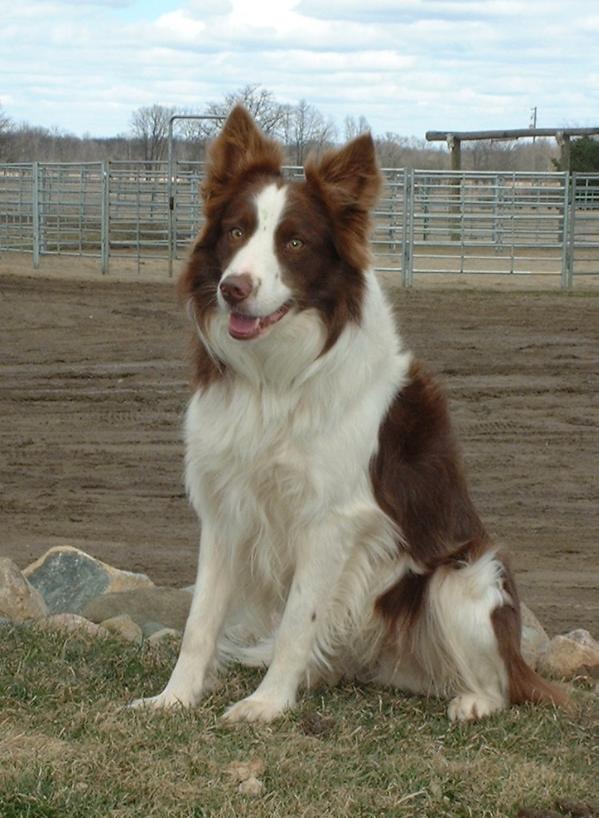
(239,148)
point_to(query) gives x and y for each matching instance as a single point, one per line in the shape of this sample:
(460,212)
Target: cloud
(407,65)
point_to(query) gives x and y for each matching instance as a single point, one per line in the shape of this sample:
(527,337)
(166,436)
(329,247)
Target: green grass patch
(70,749)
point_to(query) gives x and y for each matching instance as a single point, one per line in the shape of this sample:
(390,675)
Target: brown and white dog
(338,537)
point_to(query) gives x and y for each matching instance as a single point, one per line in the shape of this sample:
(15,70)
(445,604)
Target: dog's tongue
(243,326)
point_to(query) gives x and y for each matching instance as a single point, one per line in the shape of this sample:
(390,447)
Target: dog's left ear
(348,182)
(348,176)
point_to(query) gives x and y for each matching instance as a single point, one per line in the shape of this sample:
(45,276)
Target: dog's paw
(163,701)
(254,709)
(471,706)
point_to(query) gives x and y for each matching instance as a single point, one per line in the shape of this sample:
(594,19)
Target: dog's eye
(236,233)
(295,244)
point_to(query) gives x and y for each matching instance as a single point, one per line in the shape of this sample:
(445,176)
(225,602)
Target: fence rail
(427,222)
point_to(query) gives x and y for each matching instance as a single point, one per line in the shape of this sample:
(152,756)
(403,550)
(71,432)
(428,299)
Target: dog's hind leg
(441,636)
(456,632)
(461,646)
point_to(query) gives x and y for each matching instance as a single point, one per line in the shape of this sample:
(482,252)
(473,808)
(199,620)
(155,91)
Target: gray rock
(567,656)
(69,578)
(124,626)
(584,638)
(534,637)
(19,600)
(169,606)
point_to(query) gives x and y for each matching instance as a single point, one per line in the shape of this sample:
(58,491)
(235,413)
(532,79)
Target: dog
(338,537)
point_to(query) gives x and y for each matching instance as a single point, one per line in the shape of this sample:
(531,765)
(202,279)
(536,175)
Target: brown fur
(319,278)
(418,477)
(349,182)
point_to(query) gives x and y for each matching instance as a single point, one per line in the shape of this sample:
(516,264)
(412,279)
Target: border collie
(338,538)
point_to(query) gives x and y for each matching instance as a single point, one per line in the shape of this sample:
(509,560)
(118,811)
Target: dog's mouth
(244,327)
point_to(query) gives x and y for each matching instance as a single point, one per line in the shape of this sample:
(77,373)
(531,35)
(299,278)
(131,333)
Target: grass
(68,748)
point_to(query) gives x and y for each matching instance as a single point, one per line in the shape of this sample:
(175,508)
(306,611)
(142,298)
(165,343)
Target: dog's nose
(236,288)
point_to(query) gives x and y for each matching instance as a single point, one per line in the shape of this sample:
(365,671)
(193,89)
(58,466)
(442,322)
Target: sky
(408,66)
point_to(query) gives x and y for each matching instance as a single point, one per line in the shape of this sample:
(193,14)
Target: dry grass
(68,749)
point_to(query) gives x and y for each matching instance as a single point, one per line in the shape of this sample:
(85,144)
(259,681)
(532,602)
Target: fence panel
(426,223)
(488,223)
(69,199)
(16,207)
(585,224)
(138,207)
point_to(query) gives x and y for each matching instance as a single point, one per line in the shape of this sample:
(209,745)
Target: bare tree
(306,129)
(488,154)
(260,102)
(194,130)
(5,130)
(354,127)
(150,127)
(395,151)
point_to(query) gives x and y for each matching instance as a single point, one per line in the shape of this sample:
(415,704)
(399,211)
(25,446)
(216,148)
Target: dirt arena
(94,386)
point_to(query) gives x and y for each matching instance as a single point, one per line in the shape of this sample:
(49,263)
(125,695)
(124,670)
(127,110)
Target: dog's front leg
(209,606)
(319,564)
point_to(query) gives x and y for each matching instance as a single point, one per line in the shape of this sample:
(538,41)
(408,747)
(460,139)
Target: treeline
(301,128)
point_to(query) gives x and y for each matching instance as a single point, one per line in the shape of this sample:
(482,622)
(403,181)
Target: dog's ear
(239,148)
(349,176)
(348,182)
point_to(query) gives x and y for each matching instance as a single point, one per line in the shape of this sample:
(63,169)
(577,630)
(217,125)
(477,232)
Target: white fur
(294,548)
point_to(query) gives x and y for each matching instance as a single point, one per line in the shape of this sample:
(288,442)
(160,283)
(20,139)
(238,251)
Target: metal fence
(427,223)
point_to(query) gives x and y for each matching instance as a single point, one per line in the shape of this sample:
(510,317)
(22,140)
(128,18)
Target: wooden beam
(443,136)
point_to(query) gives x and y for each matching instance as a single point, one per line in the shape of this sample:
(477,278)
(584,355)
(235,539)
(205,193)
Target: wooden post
(563,140)
(455,154)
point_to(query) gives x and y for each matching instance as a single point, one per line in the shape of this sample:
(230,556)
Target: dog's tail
(524,684)
(232,649)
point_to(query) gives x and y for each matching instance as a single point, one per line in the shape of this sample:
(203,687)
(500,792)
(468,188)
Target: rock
(69,578)
(583,638)
(168,606)
(19,600)
(124,626)
(567,656)
(74,622)
(162,634)
(247,773)
(534,637)
(149,628)
(251,786)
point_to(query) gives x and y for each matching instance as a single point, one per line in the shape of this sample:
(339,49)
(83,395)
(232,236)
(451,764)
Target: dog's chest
(257,458)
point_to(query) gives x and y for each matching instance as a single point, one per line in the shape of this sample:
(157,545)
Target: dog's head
(272,249)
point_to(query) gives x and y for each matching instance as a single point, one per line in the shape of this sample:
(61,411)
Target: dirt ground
(94,386)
